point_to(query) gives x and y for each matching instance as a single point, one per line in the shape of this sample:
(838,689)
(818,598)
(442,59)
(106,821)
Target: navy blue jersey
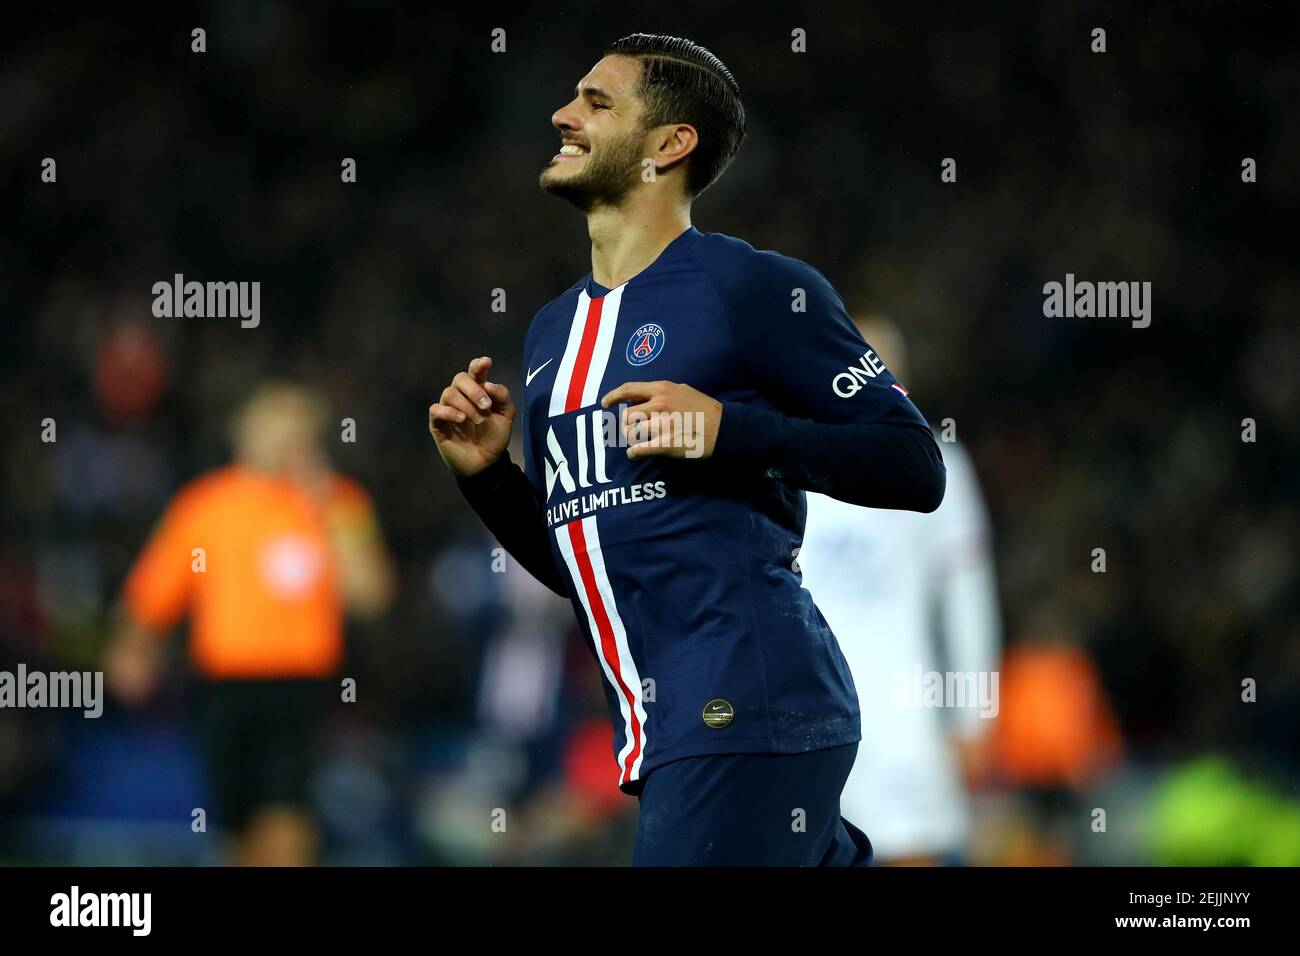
(684,573)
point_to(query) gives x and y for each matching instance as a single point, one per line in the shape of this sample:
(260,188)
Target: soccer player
(908,596)
(673,527)
(267,553)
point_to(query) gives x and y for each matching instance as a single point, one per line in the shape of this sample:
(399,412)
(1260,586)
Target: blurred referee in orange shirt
(287,546)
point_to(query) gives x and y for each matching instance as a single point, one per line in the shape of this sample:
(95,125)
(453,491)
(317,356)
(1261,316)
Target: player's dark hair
(681,82)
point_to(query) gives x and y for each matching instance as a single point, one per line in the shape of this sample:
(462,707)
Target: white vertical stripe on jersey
(627,666)
(604,343)
(563,375)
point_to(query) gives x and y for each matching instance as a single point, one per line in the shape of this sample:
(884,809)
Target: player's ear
(674,143)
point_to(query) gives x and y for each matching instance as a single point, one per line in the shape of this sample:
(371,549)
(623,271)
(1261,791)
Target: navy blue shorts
(750,810)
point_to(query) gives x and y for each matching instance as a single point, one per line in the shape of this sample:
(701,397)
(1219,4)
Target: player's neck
(627,239)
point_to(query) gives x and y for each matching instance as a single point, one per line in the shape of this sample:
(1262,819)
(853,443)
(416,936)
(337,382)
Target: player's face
(601,137)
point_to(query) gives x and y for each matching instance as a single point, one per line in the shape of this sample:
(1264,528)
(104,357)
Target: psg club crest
(645,345)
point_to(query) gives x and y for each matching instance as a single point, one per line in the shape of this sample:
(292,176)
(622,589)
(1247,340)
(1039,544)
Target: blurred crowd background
(474,690)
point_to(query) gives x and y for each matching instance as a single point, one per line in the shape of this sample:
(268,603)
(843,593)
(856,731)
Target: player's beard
(605,180)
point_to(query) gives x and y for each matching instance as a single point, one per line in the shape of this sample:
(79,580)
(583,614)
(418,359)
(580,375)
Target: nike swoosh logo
(532,372)
(719,707)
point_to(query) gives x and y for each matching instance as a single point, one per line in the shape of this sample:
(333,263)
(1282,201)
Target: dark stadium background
(1085,433)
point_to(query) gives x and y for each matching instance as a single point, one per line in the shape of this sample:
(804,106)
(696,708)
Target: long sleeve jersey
(684,573)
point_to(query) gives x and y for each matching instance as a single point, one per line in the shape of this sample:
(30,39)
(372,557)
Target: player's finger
(664,430)
(639,413)
(499,394)
(472,390)
(454,397)
(639,423)
(648,449)
(445,421)
(628,392)
(479,367)
(445,413)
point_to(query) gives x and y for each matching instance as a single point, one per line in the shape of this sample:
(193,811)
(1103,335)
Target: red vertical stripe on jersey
(578,380)
(608,646)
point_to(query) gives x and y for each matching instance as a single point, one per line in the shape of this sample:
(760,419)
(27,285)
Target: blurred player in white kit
(909,594)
